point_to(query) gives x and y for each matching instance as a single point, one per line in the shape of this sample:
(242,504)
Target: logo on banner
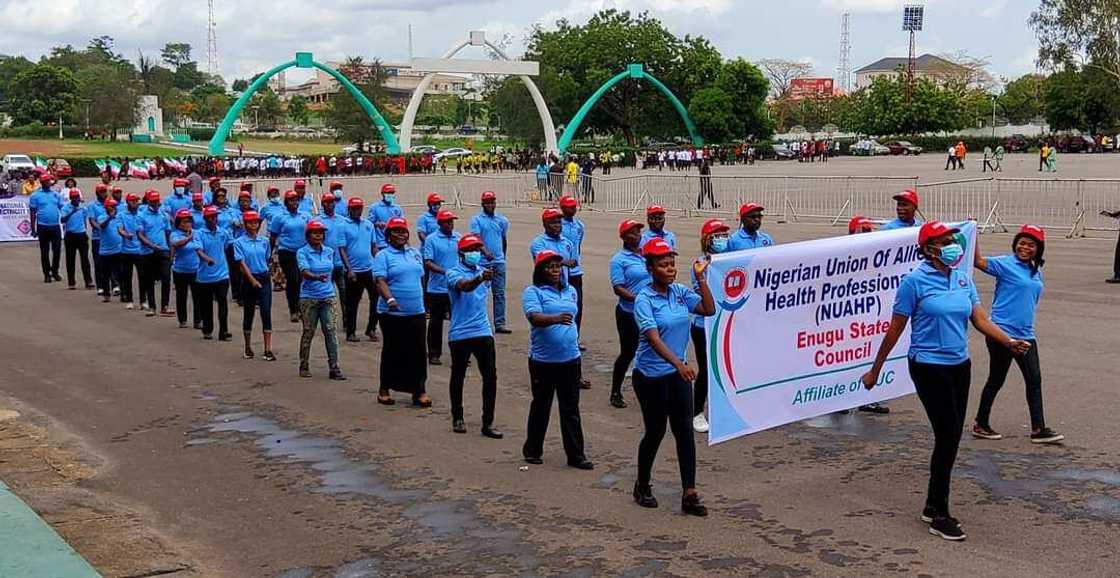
(24,227)
(734,289)
(735,296)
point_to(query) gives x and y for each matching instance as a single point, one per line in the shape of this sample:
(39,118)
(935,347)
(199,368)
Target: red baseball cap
(568,201)
(627,225)
(546,255)
(243,194)
(151,195)
(657,247)
(469,241)
(327,197)
(445,216)
(131,197)
(909,195)
(334,185)
(396,223)
(313,226)
(101,187)
(210,211)
(215,179)
(182,214)
(246,186)
(355,202)
(299,183)
(932,230)
(655,210)
(110,202)
(75,194)
(489,196)
(750,208)
(1034,231)
(250,216)
(45,178)
(434,198)
(272,188)
(290,194)
(196,197)
(388,188)
(858,223)
(117,189)
(550,213)
(714,226)
(180,182)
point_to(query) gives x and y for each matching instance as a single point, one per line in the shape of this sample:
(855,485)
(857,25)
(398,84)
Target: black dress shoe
(617,401)
(225,336)
(458,426)
(582,464)
(691,505)
(585,384)
(643,495)
(336,375)
(534,461)
(352,338)
(502,330)
(492,432)
(434,361)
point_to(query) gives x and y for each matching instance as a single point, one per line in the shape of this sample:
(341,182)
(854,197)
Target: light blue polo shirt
(357,237)
(48,207)
(559,245)
(132,223)
(492,230)
(403,270)
(254,252)
(95,212)
(557,343)
(156,227)
(306,206)
(271,209)
(319,262)
(426,223)
(669,315)
(75,218)
(741,240)
(939,308)
(468,308)
(574,231)
(628,269)
(1018,290)
(174,202)
(665,234)
(897,223)
(229,218)
(334,235)
(197,219)
(214,245)
(185,259)
(290,229)
(379,214)
(111,242)
(443,250)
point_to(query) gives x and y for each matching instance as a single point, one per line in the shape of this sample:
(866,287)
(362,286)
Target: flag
(41,163)
(138,169)
(100,164)
(115,168)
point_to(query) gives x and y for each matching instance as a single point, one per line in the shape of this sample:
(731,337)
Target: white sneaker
(700,424)
(129,306)
(143,306)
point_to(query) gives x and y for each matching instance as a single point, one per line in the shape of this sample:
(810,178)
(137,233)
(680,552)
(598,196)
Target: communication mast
(912,16)
(844,69)
(212,66)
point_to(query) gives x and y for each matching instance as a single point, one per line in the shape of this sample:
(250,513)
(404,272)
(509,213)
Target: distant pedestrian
(988,156)
(706,186)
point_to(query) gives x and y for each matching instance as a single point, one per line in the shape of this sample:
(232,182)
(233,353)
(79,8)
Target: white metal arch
(418,95)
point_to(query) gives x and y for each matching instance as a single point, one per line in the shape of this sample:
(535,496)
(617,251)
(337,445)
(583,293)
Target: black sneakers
(617,401)
(1046,436)
(875,408)
(643,495)
(985,433)
(947,528)
(691,505)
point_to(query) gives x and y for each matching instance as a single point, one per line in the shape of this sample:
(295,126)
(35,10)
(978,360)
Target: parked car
(17,163)
(1076,144)
(59,168)
(1016,143)
(467,129)
(782,152)
(903,147)
(453,152)
(425,149)
(868,147)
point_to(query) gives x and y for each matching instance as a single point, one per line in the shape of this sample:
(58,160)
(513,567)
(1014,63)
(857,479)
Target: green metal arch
(217,145)
(637,72)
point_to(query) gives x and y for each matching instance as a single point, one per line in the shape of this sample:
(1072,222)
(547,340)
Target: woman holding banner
(661,376)
(1018,289)
(714,238)
(940,300)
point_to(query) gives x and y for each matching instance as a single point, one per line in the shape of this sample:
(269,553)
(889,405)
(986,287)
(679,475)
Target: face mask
(390,198)
(274,200)
(719,244)
(951,253)
(472,258)
(179,191)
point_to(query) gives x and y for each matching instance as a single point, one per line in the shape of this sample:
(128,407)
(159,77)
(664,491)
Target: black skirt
(404,353)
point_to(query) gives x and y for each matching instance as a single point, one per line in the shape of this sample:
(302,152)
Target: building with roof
(400,82)
(925,66)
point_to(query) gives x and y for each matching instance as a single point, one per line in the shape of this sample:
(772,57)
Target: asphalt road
(247,470)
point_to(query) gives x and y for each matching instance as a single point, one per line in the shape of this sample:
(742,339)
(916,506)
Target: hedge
(39,130)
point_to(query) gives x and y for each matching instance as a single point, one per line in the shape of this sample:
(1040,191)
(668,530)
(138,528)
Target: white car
(425,149)
(454,152)
(869,148)
(17,163)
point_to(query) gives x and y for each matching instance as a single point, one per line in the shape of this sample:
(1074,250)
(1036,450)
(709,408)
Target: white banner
(15,219)
(798,325)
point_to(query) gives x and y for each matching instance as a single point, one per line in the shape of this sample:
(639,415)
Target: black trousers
(439,305)
(184,283)
(112,265)
(77,245)
(562,381)
(482,348)
(665,398)
(999,363)
(235,278)
(253,299)
(404,360)
(100,269)
(127,263)
(50,248)
(576,281)
(627,347)
(943,391)
(157,267)
(700,387)
(1116,260)
(208,294)
(362,283)
(705,192)
(290,267)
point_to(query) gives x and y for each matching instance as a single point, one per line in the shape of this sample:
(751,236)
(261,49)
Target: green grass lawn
(75,149)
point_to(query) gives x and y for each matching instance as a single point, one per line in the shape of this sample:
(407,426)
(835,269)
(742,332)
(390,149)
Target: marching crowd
(325,258)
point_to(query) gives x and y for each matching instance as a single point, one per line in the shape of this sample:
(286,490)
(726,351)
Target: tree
(42,93)
(176,54)
(712,111)
(881,108)
(10,67)
(298,111)
(967,73)
(1102,99)
(782,73)
(269,107)
(1065,100)
(109,95)
(343,113)
(1021,100)
(1073,31)
(747,87)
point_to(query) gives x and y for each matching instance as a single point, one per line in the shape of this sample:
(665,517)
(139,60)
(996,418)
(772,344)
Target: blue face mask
(719,244)
(179,191)
(389,198)
(950,254)
(472,258)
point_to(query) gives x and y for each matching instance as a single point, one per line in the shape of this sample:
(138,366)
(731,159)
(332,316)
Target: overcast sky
(254,35)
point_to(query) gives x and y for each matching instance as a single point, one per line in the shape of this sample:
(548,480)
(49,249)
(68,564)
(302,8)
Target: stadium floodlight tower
(912,17)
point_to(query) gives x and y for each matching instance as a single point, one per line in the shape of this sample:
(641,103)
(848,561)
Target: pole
(60,127)
(993,116)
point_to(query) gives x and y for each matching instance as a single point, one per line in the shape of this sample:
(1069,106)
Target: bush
(39,130)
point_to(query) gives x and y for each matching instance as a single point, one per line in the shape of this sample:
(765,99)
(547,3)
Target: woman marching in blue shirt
(714,238)
(662,379)
(316,299)
(939,301)
(185,249)
(470,334)
(554,360)
(252,254)
(212,280)
(75,239)
(399,271)
(629,276)
(1018,289)
(111,242)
